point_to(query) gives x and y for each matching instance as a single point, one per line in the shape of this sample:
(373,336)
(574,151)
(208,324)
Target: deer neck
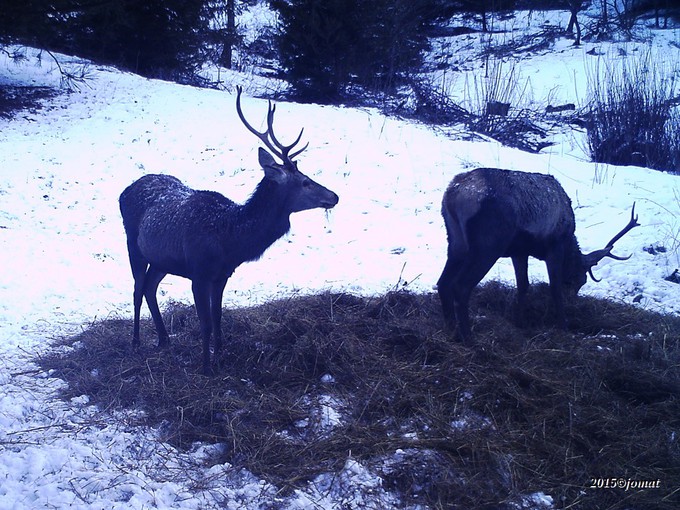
(263,218)
(572,265)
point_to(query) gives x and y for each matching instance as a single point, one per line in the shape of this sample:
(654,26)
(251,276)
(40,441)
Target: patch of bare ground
(17,100)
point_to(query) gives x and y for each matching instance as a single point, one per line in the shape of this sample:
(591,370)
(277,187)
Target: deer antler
(591,259)
(631,224)
(282,151)
(285,149)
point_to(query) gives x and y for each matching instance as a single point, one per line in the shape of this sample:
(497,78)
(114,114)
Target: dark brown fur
(204,236)
(491,213)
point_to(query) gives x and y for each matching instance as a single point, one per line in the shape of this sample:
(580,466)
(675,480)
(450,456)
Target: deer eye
(306,183)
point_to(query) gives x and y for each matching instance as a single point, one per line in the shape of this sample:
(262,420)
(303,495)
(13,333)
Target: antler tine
(285,149)
(299,151)
(591,259)
(631,224)
(263,136)
(616,257)
(590,272)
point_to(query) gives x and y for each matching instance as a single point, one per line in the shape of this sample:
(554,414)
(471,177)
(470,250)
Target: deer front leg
(216,293)
(555,263)
(521,266)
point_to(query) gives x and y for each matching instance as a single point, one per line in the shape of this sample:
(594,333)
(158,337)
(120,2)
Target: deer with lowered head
(491,213)
(204,236)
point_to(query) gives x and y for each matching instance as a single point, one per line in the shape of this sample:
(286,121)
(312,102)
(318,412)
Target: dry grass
(526,409)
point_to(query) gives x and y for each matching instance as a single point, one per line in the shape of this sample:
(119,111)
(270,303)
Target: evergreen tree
(329,46)
(155,38)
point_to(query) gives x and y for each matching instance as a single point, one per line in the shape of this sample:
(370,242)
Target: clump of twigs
(307,382)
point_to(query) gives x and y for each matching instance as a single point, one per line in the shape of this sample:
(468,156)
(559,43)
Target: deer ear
(265,158)
(272,170)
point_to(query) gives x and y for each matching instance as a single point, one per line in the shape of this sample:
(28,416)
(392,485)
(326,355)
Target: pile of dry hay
(526,409)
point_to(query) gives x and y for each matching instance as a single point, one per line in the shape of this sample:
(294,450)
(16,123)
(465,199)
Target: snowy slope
(64,260)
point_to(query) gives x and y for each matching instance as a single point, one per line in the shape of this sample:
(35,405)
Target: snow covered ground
(63,260)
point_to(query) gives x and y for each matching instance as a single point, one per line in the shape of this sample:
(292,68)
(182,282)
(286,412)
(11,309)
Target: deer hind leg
(152,280)
(202,293)
(461,274)
(456,252)
(470,272)
(453,297)
(139,266)
(445,291)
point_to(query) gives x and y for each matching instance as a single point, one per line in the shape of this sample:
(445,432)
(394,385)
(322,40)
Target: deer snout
(331,201)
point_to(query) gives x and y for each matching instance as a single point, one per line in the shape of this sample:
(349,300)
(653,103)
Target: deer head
(302,193)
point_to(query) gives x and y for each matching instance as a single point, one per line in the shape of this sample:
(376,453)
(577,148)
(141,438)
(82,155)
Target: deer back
(152,198)
(168,222)
(527,212)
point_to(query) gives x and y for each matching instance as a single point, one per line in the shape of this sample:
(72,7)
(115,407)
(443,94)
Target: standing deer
(204,236)
(491,213)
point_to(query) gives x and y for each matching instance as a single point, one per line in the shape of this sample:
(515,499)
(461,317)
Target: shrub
(632,116)
(501,106)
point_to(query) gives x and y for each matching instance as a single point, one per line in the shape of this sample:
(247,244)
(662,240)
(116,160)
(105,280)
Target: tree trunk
(230,36)
(574,8)
(572,22)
